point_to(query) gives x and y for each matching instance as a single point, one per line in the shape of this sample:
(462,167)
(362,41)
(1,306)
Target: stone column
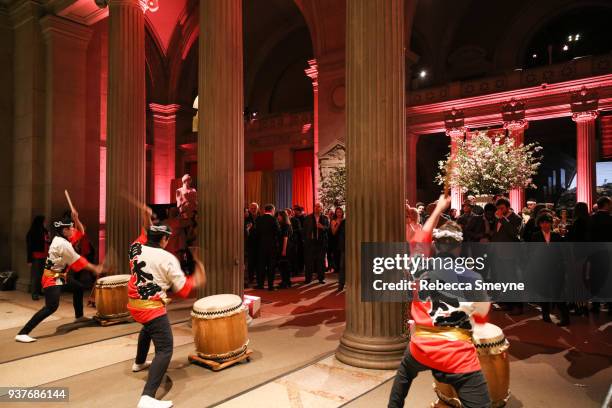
(412,140)
(586,157)
(376,160)
(584,104)
(66,57)
(28,129)
(454,123)
(313,73)
(125,155)
(164,151)
(517,132)
(221,145)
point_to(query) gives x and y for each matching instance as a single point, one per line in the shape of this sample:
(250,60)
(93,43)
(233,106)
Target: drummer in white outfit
(155,273)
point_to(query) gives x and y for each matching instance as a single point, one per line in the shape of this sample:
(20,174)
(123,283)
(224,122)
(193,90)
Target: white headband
(455,235)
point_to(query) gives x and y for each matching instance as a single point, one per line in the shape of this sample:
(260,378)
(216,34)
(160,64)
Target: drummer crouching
(441,339)
(155,272)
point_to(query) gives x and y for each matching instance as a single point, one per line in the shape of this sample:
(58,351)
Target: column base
(382,353)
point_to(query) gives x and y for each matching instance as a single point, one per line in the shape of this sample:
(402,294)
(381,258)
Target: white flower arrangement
(484,165)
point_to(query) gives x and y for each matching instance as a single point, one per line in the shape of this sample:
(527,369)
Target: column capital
(584,116)
(513,115)
(54,26)
(584,104)
(313,73)
(145,5)
(164,113)
(454,121)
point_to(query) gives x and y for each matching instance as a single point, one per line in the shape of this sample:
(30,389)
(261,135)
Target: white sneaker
(140,367)
(148,402)
(82,319)
(24,338)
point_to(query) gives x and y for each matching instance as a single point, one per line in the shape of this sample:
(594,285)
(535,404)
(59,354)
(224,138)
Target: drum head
(487,334)
(113,280)
(217,306)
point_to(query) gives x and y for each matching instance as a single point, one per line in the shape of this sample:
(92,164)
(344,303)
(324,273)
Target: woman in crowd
(332,263)
(284,246)
(338,233)
(37,241)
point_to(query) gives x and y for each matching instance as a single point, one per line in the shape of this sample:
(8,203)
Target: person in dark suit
(507,228)
(250,243)
(316,227)
(546,234)
(338,229)
(600,231)
(297,222)
(267,233)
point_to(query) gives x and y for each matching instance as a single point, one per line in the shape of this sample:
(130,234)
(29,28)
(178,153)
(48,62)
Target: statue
(187,198)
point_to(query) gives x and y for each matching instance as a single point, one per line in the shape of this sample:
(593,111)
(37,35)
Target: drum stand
(216,366)
(112,321)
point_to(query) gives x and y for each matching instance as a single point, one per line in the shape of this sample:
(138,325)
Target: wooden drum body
(112,297)
(219,327)
(492,349)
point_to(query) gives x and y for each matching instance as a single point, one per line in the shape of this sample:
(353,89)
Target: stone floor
(293,364)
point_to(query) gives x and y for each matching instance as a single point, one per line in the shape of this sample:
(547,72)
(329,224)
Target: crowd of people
(496,221)
(293,243)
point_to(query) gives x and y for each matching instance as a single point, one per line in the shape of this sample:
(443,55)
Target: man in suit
(297,223)
(267,232)
(315,230)
(600,231)
(506,263)
(250,244)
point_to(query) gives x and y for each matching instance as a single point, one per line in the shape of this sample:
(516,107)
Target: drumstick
(69,201)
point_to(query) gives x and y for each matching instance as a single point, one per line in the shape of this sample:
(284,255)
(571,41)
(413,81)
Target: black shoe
(307,281)
(563,323)
(260,287)
(546,319)
(35,297)
(321,281)
(340,288)
(272,289)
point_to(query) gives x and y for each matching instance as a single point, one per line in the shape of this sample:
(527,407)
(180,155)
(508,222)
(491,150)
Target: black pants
(52,299)
(36,271)
(251,264)
(158,330)
(471,387)
(284,266)
(340,258)
(315,260)
(265,269)
(563,311)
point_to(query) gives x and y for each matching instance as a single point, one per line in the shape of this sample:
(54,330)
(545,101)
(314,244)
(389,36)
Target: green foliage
(333,189)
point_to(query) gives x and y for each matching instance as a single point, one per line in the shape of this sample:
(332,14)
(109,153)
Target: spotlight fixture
(423,73)
(570,38)
(534,55)
(577,37)
(565,47)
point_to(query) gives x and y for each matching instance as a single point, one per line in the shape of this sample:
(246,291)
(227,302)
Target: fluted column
(221,145)
(125,144)
(412,140)
(585,157)
(164,149)
(313,73)
(376,160)
(517,132)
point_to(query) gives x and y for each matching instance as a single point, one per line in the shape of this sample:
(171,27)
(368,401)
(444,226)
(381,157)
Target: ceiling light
(565,47)
(423,73)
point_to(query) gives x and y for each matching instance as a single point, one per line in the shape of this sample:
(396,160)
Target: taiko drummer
(441,340)
(62,257)
(155,273)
